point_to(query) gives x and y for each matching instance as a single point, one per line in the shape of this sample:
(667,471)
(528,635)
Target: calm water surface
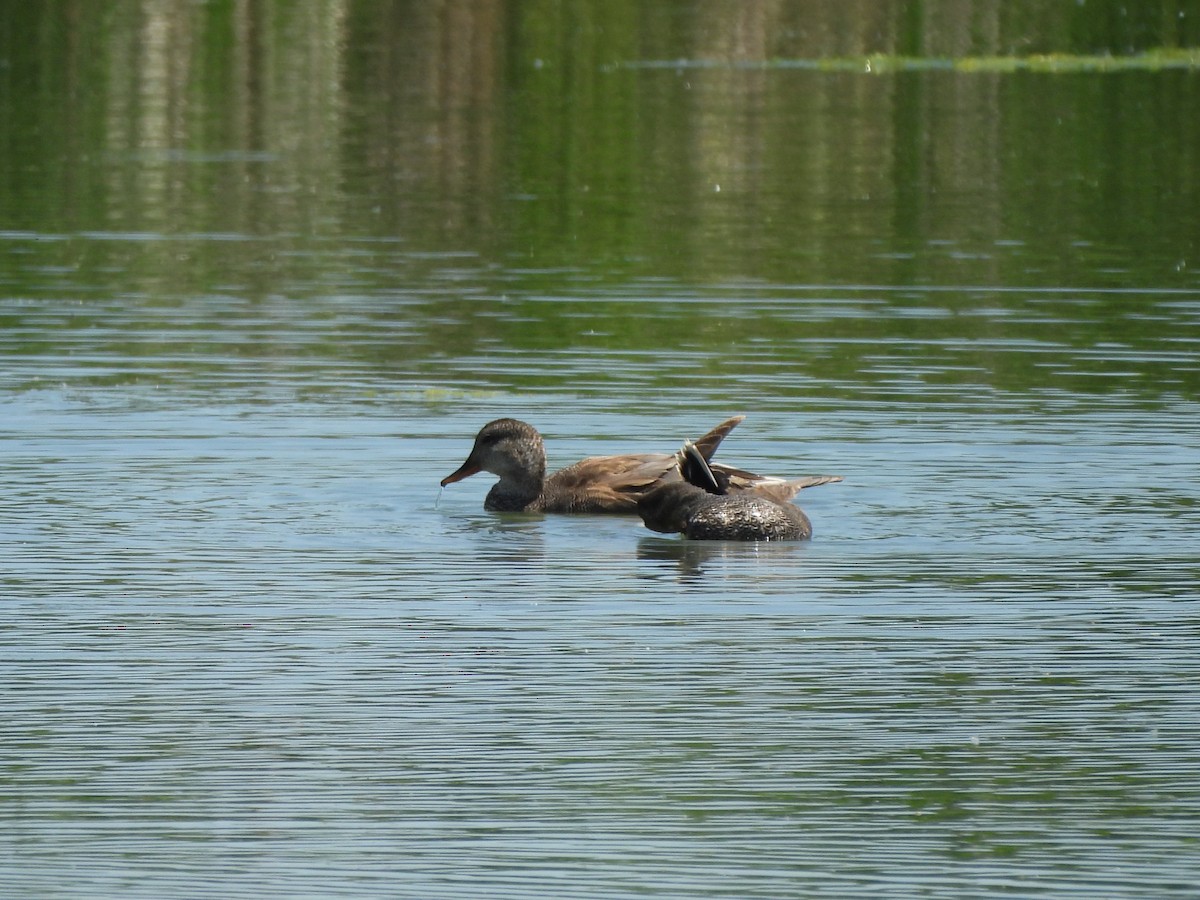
(246,648)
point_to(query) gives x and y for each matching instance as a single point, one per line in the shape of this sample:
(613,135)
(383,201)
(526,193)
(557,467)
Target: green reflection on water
(402,184)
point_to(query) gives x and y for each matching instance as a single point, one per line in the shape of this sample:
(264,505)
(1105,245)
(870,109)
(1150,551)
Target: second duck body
(701,507)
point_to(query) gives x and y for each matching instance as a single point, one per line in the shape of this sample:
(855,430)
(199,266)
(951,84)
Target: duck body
(683,508)
(702,507)
(514,451)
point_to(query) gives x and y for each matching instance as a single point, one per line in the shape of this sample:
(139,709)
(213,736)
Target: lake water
(248,649)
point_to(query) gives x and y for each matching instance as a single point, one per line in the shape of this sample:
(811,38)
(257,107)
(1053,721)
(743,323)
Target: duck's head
(509,448)
(667,508)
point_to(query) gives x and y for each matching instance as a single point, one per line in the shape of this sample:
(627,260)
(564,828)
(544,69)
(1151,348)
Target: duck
(700,507)
(515,451)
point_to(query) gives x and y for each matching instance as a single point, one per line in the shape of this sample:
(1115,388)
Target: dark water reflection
(457,324)
(248,321)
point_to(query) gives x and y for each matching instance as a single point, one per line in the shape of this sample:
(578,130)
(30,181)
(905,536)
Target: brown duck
(514,451)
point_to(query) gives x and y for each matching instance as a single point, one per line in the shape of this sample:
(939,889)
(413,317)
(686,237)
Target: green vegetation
(888,64)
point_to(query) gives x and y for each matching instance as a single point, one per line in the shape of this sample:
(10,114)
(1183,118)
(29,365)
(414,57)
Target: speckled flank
(695,513)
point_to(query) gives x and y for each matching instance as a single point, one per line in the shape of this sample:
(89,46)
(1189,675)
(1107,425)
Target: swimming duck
(515,451)
(701,508)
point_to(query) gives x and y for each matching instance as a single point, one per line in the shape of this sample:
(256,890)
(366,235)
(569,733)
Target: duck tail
(781,490)
(814,480)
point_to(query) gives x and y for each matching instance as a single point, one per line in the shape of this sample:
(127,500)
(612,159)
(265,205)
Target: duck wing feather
(608,483)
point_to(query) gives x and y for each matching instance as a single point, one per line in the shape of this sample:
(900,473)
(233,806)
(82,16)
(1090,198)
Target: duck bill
(466,470)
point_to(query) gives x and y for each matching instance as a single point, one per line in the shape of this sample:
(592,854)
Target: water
(247,648)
